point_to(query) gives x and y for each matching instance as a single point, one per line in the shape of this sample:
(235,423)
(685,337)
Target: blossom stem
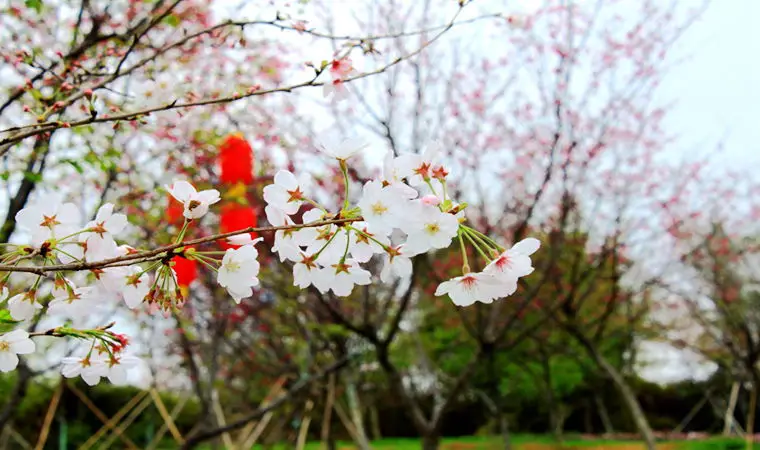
(88,230)
(487,239)
(68,254)
(316,255)
(486,246)
(476,245)
(344,171)
(151,267)
(348,244)
(182,232)
(466,264)
(430,185)
(317,205)
(202,260)
(370,237)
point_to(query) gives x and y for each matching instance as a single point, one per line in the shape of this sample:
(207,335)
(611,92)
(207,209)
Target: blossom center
(295,195)
(468,282)
(193,204)
(49,221)
(423,170)
(503,262)
(4,346)
(432,228)
(379,209)
(233,266)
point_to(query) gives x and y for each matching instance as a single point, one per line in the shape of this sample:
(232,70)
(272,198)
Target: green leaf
(33,177)
(75,164)
(6,321)
(172,20)
(34,4)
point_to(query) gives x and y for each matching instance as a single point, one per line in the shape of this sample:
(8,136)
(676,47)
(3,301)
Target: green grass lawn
(527,442)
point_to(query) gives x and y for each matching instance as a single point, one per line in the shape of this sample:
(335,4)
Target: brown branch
(43,127)
(162,252)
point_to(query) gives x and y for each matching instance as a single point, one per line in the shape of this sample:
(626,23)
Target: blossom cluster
(404,212)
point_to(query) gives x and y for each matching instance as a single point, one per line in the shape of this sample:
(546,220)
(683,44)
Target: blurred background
(622,134)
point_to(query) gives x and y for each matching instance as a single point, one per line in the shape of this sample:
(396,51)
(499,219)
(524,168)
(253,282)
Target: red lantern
(236,160)
(174,212)
(186,269)
(236,217)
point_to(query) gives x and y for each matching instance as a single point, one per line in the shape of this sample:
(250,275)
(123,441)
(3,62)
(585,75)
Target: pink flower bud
(431,200)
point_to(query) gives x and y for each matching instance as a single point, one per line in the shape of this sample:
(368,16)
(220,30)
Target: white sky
(716,89)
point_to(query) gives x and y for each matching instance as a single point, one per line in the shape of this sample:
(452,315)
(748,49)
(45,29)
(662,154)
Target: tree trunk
(431,440)
(504,430)
(356,414)
(558,422)
(751,415)
(728,420)
(502,423)
(639,418)
(374,417)
(601,407)
(327,441)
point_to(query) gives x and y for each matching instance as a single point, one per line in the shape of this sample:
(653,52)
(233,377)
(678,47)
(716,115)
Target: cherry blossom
(395,263)
(136,285)
(335,88)
(196,203)
(341,68)
(306,272)
(77,303)
(342,277)
(285,194)
(91,370)
(99,241)
(14,343)
(285,241)
(239,271)
(516,260)
(23,306)
(429,229)
(365,243)
(469,288)
(243,239)
(381,207)
(49,220)
(332,144)
(418,169)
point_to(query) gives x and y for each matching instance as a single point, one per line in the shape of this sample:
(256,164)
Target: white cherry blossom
(196,203)
(285,241)
(135,287)
(332,143)
(342,277)
(23,306)
(12,344)
(75,305)
(381,207)
(238,272)
(395,263)
(516,260)
(417,168)
(365,243)
(469,288)
(285,194)
(90,368)
(49,220)
(429,228)
(306,272)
